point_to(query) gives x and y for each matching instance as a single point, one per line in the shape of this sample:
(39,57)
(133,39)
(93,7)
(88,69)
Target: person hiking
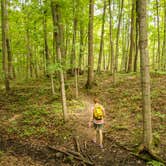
(97,118)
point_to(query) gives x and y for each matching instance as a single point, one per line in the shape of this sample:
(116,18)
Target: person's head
(96,100)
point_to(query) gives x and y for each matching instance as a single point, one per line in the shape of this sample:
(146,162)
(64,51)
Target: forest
(83,82)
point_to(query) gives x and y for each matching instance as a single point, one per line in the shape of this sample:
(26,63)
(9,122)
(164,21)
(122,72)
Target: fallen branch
(75,155)
(77,145)
(152,156)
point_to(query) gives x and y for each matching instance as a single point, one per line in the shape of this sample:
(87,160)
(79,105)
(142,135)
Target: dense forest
(59,56)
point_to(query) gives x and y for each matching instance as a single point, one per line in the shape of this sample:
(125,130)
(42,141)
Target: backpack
(98,112)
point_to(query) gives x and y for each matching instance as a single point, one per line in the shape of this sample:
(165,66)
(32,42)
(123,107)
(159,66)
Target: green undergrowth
(41,112)
(154,163)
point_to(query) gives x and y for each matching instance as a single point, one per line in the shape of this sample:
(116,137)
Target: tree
(4,20)
(136,39)
(90,45)
(145,76)
(163,64)
(132,37)
(117,35)
(56,15)
(73,51)
(102,38)
(158,35)
(46,49)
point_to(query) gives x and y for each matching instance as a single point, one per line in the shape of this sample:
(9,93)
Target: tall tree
(4,20)
(145,76)
(90,45)
(111,49)
(8,44)
(102,38)
(158,35)
(73,51)
(56,15)
(118,33)
(163,65)
(136,39)
(131,37)
(46,50)
(81,44)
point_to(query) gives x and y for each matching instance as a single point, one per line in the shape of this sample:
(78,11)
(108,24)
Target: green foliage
(154,163)
(54,67)
(160,115)
(1,153)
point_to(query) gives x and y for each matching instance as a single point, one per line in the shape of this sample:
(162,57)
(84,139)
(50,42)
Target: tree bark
(111,61)
(158,35)
(117,36)
(81,45)
(131,37)
(136,39)
(145,76)
(56,15)
(73,51)
(101,39)
(90,45)
(8,45)
(4,43)
(29,55)
(163,65)
(45,40)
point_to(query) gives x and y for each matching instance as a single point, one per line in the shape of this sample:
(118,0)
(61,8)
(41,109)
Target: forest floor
(32,131)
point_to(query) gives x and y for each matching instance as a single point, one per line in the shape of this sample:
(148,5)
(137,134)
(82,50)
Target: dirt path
(112,154)
(25,153)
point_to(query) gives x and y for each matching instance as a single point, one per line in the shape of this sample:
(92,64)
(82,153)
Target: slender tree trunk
(117,36)
(4,21)
(124,34)
(131,37)
(136,39)
(145,76)
(164,41)
(81,45)
(29,49)
(56,21)
(153,59)
(8,45)
(90,45)
(45,40)
(111,50)
(10,66)
(102,39)
(158,34)
(47,56)
(73,51)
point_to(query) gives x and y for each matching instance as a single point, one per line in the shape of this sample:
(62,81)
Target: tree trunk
(158,35)
(29,55)
(145,76)
(8,45)
(131,37)
(164,41)
(124,45)
(81,45)
(90,45)
(111,60)
(73,51)
(136,39)
(45,40)
(4,21)
(102,38)
(117,36)
(57,21)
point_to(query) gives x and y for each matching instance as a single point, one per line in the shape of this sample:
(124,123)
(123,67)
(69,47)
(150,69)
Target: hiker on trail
(97,118)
